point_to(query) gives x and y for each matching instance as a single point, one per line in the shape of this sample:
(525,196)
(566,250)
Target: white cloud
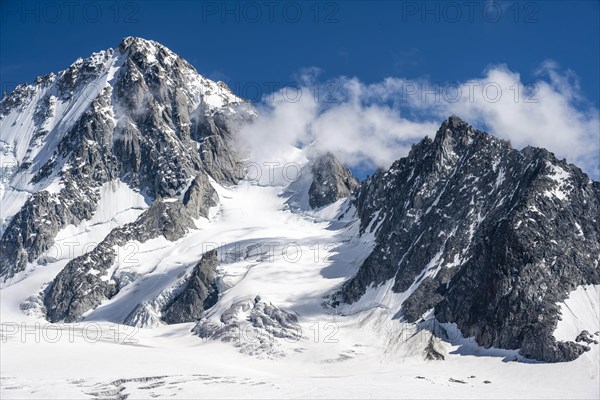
(375,124)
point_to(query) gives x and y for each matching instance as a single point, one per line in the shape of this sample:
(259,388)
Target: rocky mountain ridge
(482,235)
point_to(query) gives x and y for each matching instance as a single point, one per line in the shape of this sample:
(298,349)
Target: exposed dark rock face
(86,280)
(200,196)
(431,353)
(199,294)
(331,181)
(148,119)
(213,133)
(31,231)
(489,237)
(586,337)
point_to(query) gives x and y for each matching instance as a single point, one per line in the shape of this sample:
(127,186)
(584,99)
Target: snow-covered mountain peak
(138,113)
(135,59)
(147,52)
(135,44)
(454,133)
(138,42)
(143,71)
(153,60)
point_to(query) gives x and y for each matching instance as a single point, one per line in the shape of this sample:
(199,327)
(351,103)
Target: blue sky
(258,47)
(370,40)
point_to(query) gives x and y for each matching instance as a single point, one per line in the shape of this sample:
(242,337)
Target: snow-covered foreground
(291,259)
(169,362)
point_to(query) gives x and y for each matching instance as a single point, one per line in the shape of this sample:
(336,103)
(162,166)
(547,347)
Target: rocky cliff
(488,237)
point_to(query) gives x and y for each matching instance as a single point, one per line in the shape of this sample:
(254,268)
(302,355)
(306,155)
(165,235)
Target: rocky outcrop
(86,281)
(143,316)
(32,230)
(214,135)
(489,237)
(200,197)
(199,294)
(254,326)
(432,352)
(331,181)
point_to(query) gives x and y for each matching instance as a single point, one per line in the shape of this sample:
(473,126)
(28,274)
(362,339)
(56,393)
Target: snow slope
(291,259)
(581,311)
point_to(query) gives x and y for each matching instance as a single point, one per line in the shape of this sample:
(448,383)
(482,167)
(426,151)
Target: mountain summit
(138,113)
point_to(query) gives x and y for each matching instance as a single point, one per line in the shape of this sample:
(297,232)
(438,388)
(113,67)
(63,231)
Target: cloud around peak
(372,125)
